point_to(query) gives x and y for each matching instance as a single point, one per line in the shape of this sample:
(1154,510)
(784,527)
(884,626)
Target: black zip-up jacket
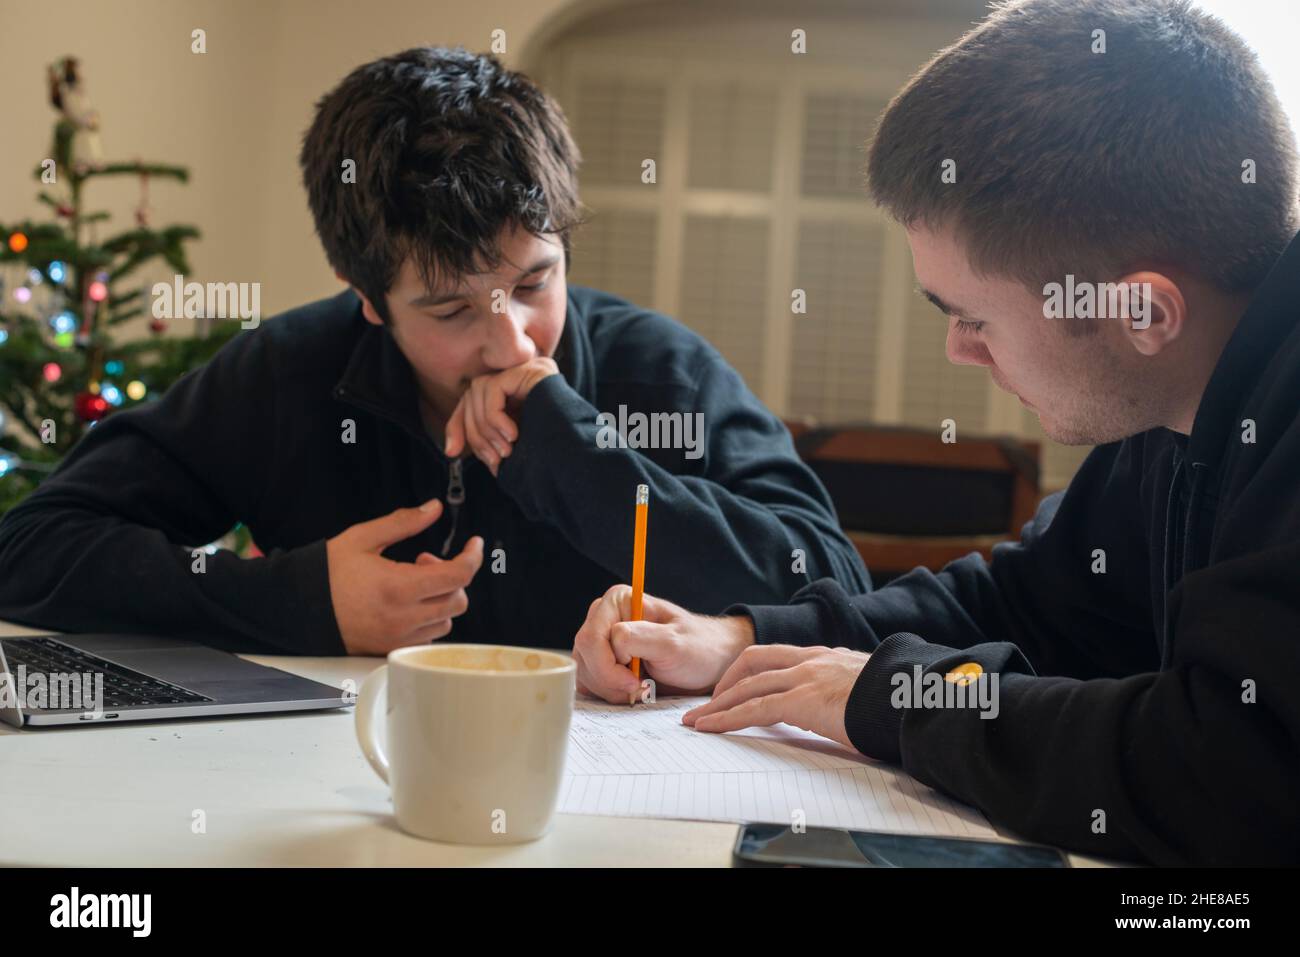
(256,436)
(1145,711)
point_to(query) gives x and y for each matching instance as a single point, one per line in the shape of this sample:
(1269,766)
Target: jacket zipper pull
(455,498)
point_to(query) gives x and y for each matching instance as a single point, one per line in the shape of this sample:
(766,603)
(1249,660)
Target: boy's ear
(1159,312)
(367,309)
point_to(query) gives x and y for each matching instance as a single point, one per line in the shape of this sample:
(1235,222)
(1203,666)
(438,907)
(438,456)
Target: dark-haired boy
(1119,681)
(459,371)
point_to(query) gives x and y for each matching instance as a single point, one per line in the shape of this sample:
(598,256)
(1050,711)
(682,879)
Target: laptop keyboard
(123,687)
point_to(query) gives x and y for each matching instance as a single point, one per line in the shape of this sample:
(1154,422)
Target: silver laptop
(93,679)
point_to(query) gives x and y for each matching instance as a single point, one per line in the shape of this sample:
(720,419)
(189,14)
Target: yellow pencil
(638,567)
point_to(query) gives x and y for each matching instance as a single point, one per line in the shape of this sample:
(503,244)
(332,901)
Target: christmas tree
(62,293)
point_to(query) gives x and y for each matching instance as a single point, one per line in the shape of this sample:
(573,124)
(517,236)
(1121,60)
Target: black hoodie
(1144,707)
(256,436)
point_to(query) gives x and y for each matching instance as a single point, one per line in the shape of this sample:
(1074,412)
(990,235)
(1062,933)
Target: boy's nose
(963,351)
(508,343)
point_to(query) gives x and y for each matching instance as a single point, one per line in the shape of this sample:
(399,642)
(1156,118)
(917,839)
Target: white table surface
(289,789)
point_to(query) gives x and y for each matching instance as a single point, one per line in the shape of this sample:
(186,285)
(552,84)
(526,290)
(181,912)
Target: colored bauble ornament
(90,407)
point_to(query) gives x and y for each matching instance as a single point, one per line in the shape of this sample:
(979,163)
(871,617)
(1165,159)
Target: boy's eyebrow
(429,299)
(943,306)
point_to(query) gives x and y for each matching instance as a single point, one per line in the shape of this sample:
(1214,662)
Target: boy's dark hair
(1070,161)
(450,148)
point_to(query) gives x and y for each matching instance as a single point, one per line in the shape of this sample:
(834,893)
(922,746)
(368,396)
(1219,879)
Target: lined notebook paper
(642,761)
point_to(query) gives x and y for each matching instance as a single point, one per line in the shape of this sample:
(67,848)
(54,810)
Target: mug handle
(367,705)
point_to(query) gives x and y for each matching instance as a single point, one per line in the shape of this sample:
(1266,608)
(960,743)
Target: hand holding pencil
(688,652)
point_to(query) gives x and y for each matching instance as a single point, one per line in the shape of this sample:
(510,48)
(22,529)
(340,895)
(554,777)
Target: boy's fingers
(512,380)
(378,533)
(656,609)
(472,554)
(494,411)
(750,713)
(618,602)
(424,634)
(474,435)
(455,431)
(481,391)
(622,692)
(426,581)
(588,633)
(600,672)
(616,606)
(606,677)
(581,673)
(613,606)
(438,577)
(757,686)
(603,666)
(646,640)
(759,658)
(443,607)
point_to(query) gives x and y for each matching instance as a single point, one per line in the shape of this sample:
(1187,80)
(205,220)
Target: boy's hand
(684,653)
(770,684)
(381,604)
(483,419)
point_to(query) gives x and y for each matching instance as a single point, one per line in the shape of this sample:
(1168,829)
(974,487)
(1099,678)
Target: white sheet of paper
(651,739)
(641,761)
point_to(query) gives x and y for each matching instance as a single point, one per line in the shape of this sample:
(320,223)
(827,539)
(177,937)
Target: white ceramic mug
(477,737)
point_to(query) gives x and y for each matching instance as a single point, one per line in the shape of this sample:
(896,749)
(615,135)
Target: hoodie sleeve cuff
(871,721)
(822,613)
(799,624)
(293,586)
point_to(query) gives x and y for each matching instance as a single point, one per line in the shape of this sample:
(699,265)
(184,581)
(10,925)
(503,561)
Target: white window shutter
(724,290)
(732,127)
(615,251)
(833,345)
(619,124)
(836,127)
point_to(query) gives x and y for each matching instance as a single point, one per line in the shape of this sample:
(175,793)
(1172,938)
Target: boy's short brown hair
(450,149)
(1075,161)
